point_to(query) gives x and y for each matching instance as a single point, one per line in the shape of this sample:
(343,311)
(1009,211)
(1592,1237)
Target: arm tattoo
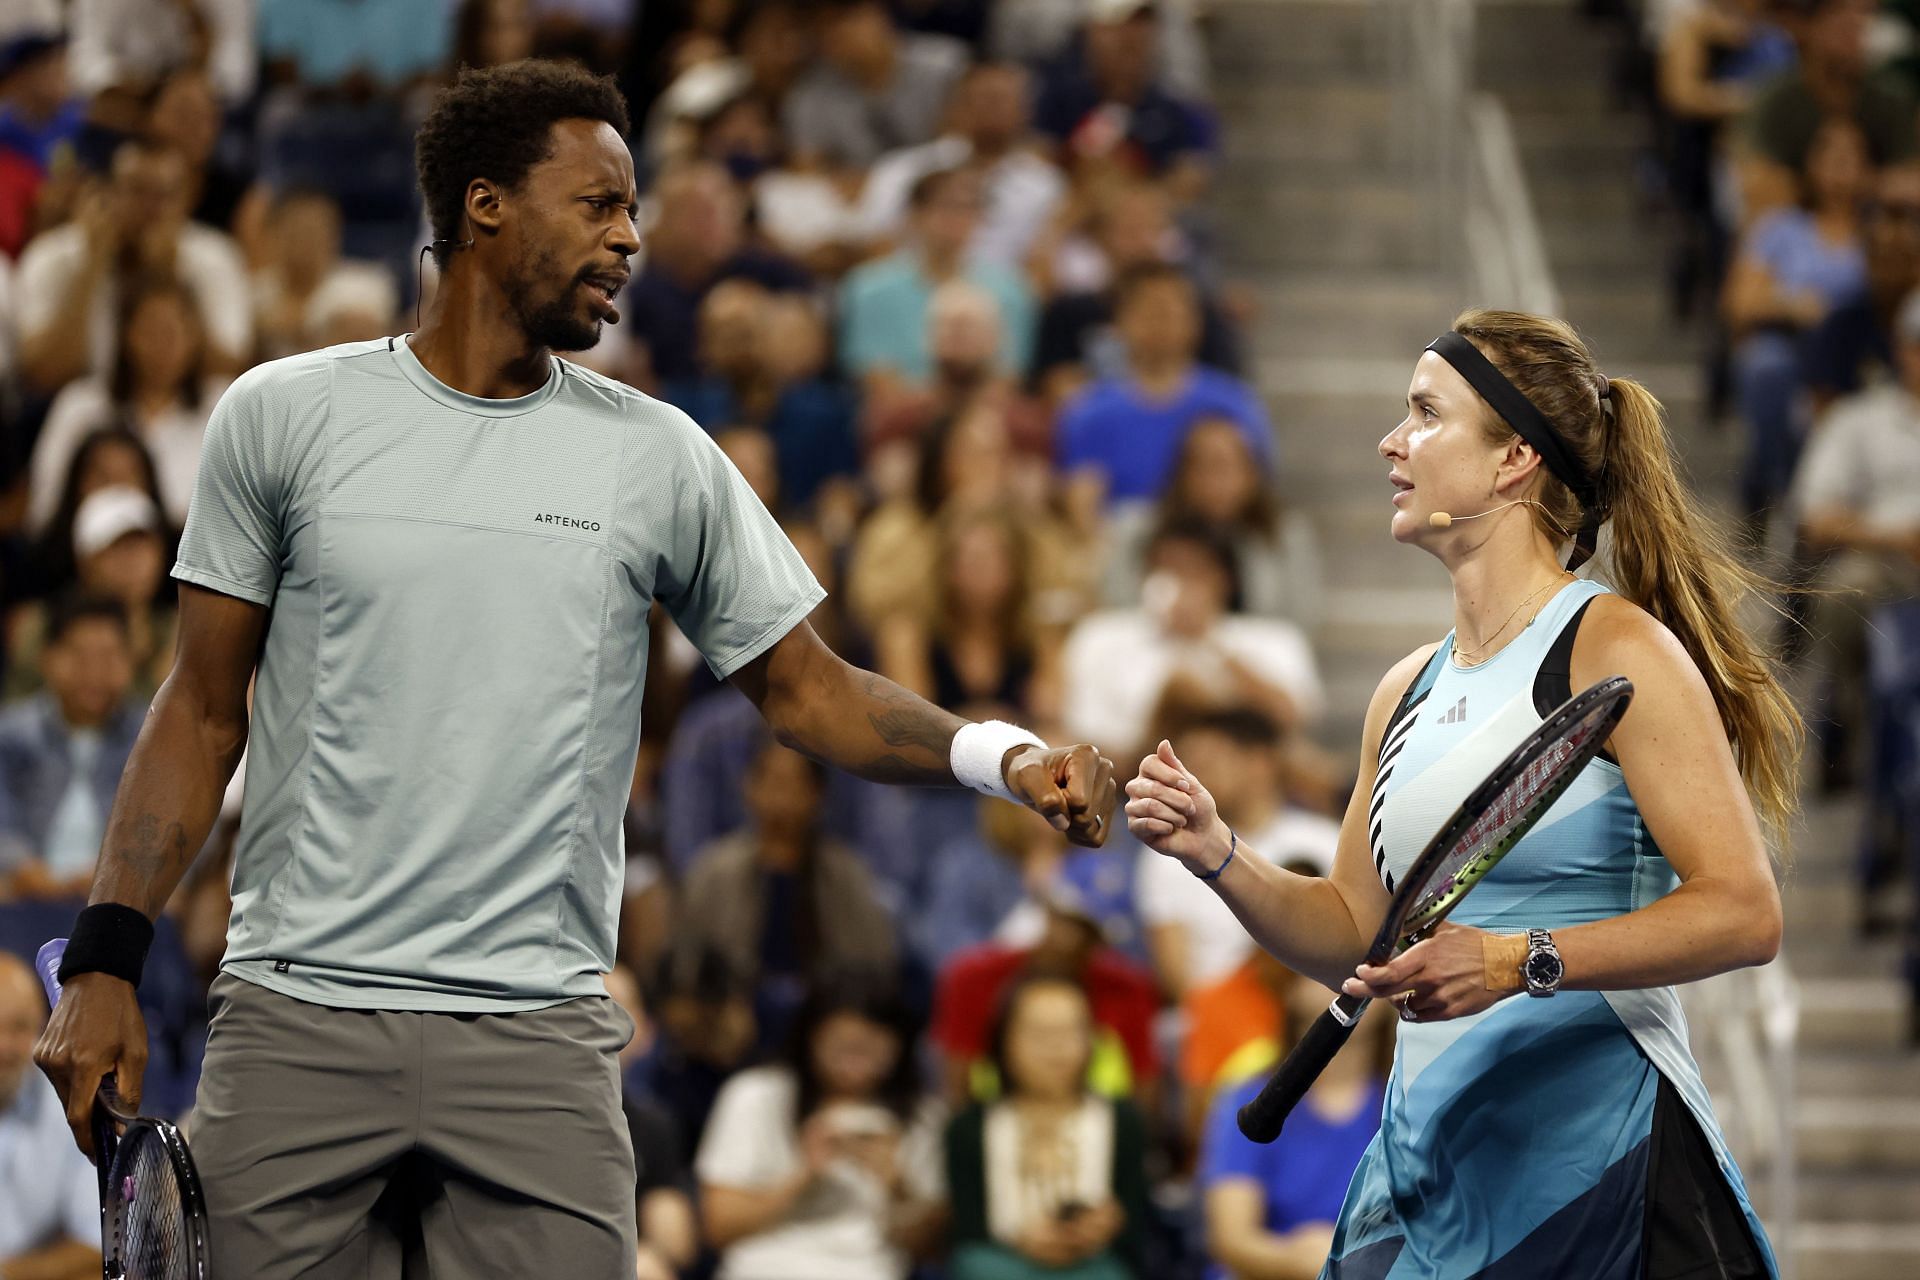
(920,734)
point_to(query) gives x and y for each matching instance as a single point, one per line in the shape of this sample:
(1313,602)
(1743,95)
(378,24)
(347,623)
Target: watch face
(1544,969)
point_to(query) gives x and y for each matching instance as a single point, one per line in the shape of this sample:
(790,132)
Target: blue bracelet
(1233,846)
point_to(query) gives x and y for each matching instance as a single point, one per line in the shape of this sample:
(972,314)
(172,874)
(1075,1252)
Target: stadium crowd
(939,278)
(1785,141)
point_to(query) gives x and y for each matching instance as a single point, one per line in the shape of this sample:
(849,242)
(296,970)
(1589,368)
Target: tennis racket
(153,1218)
(1488,823)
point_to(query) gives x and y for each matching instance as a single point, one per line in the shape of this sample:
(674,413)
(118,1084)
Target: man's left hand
(1071,787)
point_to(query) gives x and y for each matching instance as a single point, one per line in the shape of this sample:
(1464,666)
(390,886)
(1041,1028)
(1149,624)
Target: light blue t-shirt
(48,1191)
(448,705)
(883,315)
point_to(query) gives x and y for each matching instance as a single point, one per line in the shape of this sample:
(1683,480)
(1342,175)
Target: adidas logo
(1455,714)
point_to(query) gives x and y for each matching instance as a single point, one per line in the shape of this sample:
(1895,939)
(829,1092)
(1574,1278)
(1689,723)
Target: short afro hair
(496,123)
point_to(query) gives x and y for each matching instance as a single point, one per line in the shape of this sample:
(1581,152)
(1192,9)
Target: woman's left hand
(1446,974)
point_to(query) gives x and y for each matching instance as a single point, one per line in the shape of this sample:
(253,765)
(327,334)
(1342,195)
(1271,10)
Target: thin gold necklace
(1474,662)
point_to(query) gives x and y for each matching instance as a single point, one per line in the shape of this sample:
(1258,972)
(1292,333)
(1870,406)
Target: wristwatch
(1542,969)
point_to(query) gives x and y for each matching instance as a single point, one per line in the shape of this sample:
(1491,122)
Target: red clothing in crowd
(1122,994)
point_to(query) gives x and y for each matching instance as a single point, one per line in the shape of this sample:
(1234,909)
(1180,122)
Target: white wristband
(978,750)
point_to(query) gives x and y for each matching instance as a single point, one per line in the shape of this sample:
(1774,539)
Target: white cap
(353,287)
(1116,10)
(109,515)
(702,89)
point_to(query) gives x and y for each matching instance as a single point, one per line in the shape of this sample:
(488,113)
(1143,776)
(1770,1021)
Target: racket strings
(152,1213)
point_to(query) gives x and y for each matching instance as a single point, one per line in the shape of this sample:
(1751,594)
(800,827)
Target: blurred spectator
(185,117)
(760,357)
(1218,478)
(6,322)
(1050,1178)
(885,304)
(1833,78)
(1859,497)
(300,290)
(1853,345)
(1232,1029)
(1795,267)
(591,32)
(981,652)
(1108,113)
(156,389)
(357,302)
(826,1165)
(109,457)
(779,900)
(704,1032)
(874,89)
(990,128)
(1038,32)
(51,1223)
(62,753)
(487,33)
(124,48)
(354,48)
(39,123)
(1130,228)
(663,1199)
(1189,637)
(120,551)
(1130,427)
(1071,946)
(135,223)
(1194,937)
(1271,1208)
(695,242)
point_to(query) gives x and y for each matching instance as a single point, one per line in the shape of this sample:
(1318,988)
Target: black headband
(1532,426)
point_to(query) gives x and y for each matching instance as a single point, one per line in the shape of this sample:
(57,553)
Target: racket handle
(46,963)
(1261,1119)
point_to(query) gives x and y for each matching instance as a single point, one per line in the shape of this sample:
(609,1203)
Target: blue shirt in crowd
(38,141)
(1113,425)
(1303,1175)
(38,760)
(812,426)
(48,1192)
(883,315)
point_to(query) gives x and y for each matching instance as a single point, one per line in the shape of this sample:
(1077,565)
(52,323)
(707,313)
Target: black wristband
(108,938)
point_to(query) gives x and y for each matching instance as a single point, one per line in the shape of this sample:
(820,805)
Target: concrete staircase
(1328,231)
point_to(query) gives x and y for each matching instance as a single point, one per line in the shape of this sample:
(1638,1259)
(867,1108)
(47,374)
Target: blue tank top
(1514,1142)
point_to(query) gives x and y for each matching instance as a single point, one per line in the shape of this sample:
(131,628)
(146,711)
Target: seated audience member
(663,1200)
(1129,427)
(1129,226)
(127,49)
(106,458)
(491,33)
(155,386)
(1219,479)
(1107,112)
(135,223)
(697,239)
(874,88)
(990,129)
(1187,635)
(964,342)
(760,358)
(884,304)
(1859,496)
(1233,1029)
(980,652)
(1071,944)
(120,552)
(357,303)
(1835,76)
(304,264)
(331,48)
(703,1032)
(1193,936)
(39,123)
(185,116)
(780,900)
(1270,1209)
(49,1195)
(1795,267)
(1049,1179)
(1853,346)
(825,1165)
(62,752)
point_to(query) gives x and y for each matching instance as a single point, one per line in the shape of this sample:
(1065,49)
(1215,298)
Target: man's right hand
(96,1028)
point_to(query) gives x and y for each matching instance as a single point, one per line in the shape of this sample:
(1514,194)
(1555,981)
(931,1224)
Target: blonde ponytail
(1667,557)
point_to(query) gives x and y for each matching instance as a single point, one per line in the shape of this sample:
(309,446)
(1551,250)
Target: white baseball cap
(109,515)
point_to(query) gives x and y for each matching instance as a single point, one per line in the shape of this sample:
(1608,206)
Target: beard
(552,322)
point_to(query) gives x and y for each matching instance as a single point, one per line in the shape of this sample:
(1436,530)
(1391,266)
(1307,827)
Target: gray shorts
(338,1143)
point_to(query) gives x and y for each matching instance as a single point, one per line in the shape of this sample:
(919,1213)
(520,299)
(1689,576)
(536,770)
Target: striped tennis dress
(1568,1138)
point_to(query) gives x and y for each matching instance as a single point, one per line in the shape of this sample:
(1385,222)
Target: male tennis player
(439,552)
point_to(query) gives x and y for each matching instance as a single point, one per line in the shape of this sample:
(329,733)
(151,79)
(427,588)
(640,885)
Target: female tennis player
(1544,1116)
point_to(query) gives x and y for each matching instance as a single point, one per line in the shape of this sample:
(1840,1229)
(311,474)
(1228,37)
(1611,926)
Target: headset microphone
(1445,519)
